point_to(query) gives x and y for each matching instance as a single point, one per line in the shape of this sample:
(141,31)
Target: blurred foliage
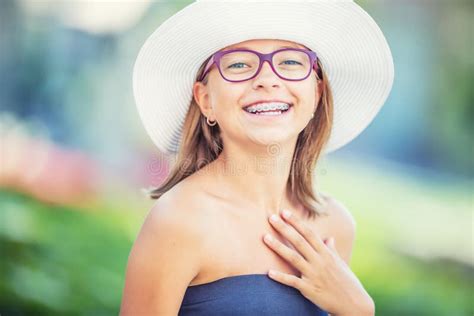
(453,94)
(61,261)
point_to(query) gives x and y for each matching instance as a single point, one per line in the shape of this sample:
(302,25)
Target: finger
(296,239)
(332,244)
(290,255)
(312,237)
(287,279)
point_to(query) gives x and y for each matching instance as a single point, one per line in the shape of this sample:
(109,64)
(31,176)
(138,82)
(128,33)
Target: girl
(249,95)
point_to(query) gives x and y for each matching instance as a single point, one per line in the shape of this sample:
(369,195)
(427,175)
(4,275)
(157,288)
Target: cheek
(226,97)
(306,98)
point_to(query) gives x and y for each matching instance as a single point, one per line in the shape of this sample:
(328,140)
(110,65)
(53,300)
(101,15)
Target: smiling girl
(249,99)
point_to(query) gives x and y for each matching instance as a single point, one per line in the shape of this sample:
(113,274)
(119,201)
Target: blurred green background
(74,158)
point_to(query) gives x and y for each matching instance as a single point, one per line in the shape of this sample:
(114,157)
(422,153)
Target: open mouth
(275,112)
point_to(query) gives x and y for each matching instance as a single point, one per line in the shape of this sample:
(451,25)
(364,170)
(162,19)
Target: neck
(259,179)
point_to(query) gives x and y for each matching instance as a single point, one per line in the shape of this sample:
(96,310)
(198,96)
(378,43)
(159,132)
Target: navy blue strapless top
(244,295)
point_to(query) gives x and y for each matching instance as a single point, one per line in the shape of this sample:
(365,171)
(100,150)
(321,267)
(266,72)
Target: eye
(236,64)
(292,61)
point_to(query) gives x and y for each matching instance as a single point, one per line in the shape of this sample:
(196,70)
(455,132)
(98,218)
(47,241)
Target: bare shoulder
(338,212)
(164,259)
(342,226)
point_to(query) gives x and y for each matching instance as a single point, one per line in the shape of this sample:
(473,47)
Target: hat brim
(350,45)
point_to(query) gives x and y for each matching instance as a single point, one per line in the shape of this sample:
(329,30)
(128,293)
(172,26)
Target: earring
(209,123)
(312,115)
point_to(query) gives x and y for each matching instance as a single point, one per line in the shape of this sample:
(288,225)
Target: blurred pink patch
(40,168)
(155,170)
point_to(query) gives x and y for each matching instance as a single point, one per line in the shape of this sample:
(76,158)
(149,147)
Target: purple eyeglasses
(216,59)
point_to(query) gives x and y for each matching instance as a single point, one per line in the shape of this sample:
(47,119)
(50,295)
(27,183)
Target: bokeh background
(75,158)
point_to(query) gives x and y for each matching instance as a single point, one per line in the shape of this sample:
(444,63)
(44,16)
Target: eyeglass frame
(216,57)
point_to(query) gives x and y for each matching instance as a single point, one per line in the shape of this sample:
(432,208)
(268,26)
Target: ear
(201,96)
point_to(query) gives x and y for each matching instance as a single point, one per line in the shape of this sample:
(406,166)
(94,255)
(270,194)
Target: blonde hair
(202,144)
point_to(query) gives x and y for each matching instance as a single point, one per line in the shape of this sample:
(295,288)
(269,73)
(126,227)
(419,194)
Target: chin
(271,139)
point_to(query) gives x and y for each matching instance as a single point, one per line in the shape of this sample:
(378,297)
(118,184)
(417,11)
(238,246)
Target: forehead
(264,44)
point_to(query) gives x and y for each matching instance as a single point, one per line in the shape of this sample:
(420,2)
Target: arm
(163,261)
(343,227)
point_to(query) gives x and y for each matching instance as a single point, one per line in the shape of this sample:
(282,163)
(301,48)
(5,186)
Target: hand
(326,279)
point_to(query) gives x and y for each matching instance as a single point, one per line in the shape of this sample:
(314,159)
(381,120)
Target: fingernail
(268,238)
(286,214)
(274,218)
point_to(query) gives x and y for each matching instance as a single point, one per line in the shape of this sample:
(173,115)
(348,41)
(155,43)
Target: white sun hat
(351,47)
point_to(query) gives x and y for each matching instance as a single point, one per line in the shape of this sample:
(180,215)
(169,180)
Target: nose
(266,76)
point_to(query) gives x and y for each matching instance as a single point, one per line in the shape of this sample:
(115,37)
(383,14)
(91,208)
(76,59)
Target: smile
(269,114)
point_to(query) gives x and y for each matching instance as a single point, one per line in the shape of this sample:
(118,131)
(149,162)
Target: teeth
(267,107)
(270,113)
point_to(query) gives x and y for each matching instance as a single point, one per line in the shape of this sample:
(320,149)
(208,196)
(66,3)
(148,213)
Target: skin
(217,230)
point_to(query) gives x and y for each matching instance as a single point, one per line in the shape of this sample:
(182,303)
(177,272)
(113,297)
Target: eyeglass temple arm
(206,69)
(316,68)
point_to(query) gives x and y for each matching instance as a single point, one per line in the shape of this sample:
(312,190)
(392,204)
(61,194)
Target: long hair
(202,144)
